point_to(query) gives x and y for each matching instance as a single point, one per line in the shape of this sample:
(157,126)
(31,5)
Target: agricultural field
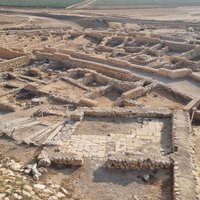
(124,3)
(39,3)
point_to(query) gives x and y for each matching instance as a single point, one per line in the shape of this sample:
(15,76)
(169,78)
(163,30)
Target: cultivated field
(39,3)
(124,3)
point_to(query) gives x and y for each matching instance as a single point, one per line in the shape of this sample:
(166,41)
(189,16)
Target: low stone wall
(132,162)
(146,39)
(54,156)
(87,102)
(62,99)
(95,35)
(134,93)
(192,104)
(102,48)
(192,53)
(195,76)
(14,63)
(133,49)
(75,83)
(49,50)
(91,75)
(126,112)
(9,54)
(170,38)
(184,187)
(178,47)
(120,74)
(197,115)
(108,61)
(31,33)
(99,92)
(108,66)
(178,73)
(141,91)
(175,93)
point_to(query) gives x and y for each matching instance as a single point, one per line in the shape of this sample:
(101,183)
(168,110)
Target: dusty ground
(157,99)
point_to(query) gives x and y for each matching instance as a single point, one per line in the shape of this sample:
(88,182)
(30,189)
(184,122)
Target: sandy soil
(65,89)
(156,99)
(93,182)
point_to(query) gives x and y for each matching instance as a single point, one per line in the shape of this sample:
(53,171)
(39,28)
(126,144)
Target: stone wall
(87,102)
(108,61)
(100,91)
(9,54)
(134,93)
(171,38)
(197,115)
(192,53)
(175,93)
(147,40)
(193,104)
(126,112)
(184,187)
(195,76)
(124,162)
(178,73)
(77,63)
(14,63)
(108,66)
(90,75)
(178,47)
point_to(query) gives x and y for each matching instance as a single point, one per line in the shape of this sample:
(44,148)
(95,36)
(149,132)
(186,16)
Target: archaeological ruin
(97,112)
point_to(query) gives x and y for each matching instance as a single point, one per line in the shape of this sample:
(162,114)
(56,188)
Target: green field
(111,3)
(39,3)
